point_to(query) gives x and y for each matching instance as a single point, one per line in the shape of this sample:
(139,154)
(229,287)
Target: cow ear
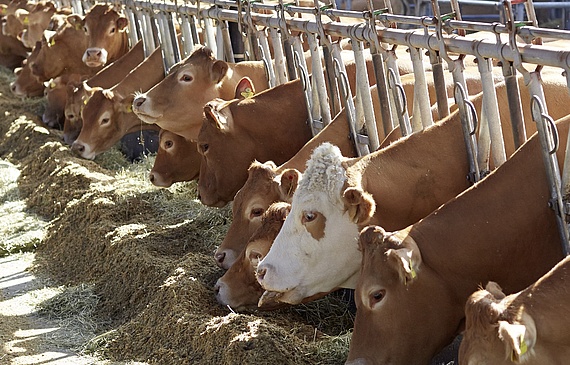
(219,71)
(214,117)
(495,290)
(122,23)
(403,260)
(244,89)
(359,204)
(288,184)
(519,339)
(75,20)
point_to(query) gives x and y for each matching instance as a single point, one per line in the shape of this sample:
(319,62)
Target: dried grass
(138,260)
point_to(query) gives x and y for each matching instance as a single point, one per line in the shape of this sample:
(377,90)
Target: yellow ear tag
(130,108)
(78,26)
(25,21)
(52,42)
(84,101)
(248,93)
(52,85)
(412,271)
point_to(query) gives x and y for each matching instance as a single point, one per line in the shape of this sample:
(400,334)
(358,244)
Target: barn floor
(121,270)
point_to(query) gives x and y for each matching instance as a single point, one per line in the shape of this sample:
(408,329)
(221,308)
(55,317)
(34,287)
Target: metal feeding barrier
(282,34)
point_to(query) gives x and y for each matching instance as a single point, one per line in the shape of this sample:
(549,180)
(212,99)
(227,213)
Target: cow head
(238,288)
(26,84)
(36,21)
(105,29)
(177,160)
(493,333)
(12,24)
(176,103)
(262,188)
(316,250)
(101,123)
(77,97)
(60,53)
(56,94)
(400,302)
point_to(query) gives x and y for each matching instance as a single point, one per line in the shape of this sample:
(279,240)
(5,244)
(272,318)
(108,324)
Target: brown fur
(177,160)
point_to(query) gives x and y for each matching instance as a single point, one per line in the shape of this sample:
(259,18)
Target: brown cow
(40,19)
(414,283)
(262,186)
(176,103)
(12,52)
(530,327)
(77,95)
(108,116)
(56,94)
(61,54)
(106,31)
(177,160)
(13,24)
(27,84)
(253,128)
(238,287)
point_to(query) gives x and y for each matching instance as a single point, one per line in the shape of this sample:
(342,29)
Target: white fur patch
(324,172)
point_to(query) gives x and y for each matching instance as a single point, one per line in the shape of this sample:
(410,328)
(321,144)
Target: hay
(141,257)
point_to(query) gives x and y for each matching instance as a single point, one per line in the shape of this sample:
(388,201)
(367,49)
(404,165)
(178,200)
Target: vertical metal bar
(318,77)
(468,117)
(220,40)
(515,106)
(314,103)
(227,42)
(173,37)
(133,31)
(187,38)
(314,115)
(549,142)
(490,115)
(166,44)
(280,67)
(566,169)
(401,109)
(363,88)
(210,37)
(148,37)
(266,57)
(422,109)
(439,84)
(328,52)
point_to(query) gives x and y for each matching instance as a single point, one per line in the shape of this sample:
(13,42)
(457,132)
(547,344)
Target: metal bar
(279,57)
(421,112)
(549,141)
(401,108)
(187,38)
(319,79)
(266,57)
(210,37)
(469,123)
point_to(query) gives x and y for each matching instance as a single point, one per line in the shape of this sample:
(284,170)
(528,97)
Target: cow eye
(105,121)
(186,78)
(309,217)
(70,116)
(376,296)
(85,30)
(204,147)
(256,212)
(168,144)
(112,30)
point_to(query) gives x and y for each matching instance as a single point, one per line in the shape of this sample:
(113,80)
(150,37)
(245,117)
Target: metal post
(266,57)
(421,112)
(468,117)
(318,77)
(279,57)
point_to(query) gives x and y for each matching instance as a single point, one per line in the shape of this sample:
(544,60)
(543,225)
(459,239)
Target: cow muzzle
(95,57)
(82,150)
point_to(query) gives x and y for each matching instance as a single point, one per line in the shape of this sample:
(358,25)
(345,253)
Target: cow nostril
(261,273)
(78,147)
(13,87)
(217,289)
(220,257)
(139,101)
(151,177)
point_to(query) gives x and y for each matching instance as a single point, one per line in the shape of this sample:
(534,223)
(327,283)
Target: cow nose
(139,101)
(217,288)
(261,271)
(13,87)
(77,147)
(151,177)
(94,52)
(220,257)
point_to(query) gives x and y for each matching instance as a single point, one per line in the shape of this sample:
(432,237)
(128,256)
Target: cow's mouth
(147,118)
(269,299)
(94,63)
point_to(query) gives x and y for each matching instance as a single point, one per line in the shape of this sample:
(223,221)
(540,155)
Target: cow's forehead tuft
(324,172)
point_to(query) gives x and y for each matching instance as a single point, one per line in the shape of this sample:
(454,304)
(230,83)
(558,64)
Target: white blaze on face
(316,250)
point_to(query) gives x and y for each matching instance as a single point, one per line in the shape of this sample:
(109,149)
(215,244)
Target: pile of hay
(146,254)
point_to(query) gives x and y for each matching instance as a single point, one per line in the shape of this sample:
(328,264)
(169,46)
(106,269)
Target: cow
(12,52)
(40,19)
(13,24)
(25,83)
(254,128)
(56,95)
(107,115)
(106,32)
(77,95)
(177,160)
(529,327)
(373,190)
(414,283)
(262,185)
(60,54)
(238,287)
(176,104)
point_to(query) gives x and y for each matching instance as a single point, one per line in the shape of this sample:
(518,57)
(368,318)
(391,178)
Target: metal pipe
(278,56)
(468,118)
(187,38)
(266,57)
(421,112)
(319,79)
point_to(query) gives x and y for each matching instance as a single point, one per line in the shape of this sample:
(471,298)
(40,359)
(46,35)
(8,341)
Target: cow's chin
(148,119)
(94,63)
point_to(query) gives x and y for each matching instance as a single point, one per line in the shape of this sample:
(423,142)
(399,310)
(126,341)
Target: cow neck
(337,133)
(118,70)
(121,50)
(413,176)
(279,110)
(500,229)
(147,74)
